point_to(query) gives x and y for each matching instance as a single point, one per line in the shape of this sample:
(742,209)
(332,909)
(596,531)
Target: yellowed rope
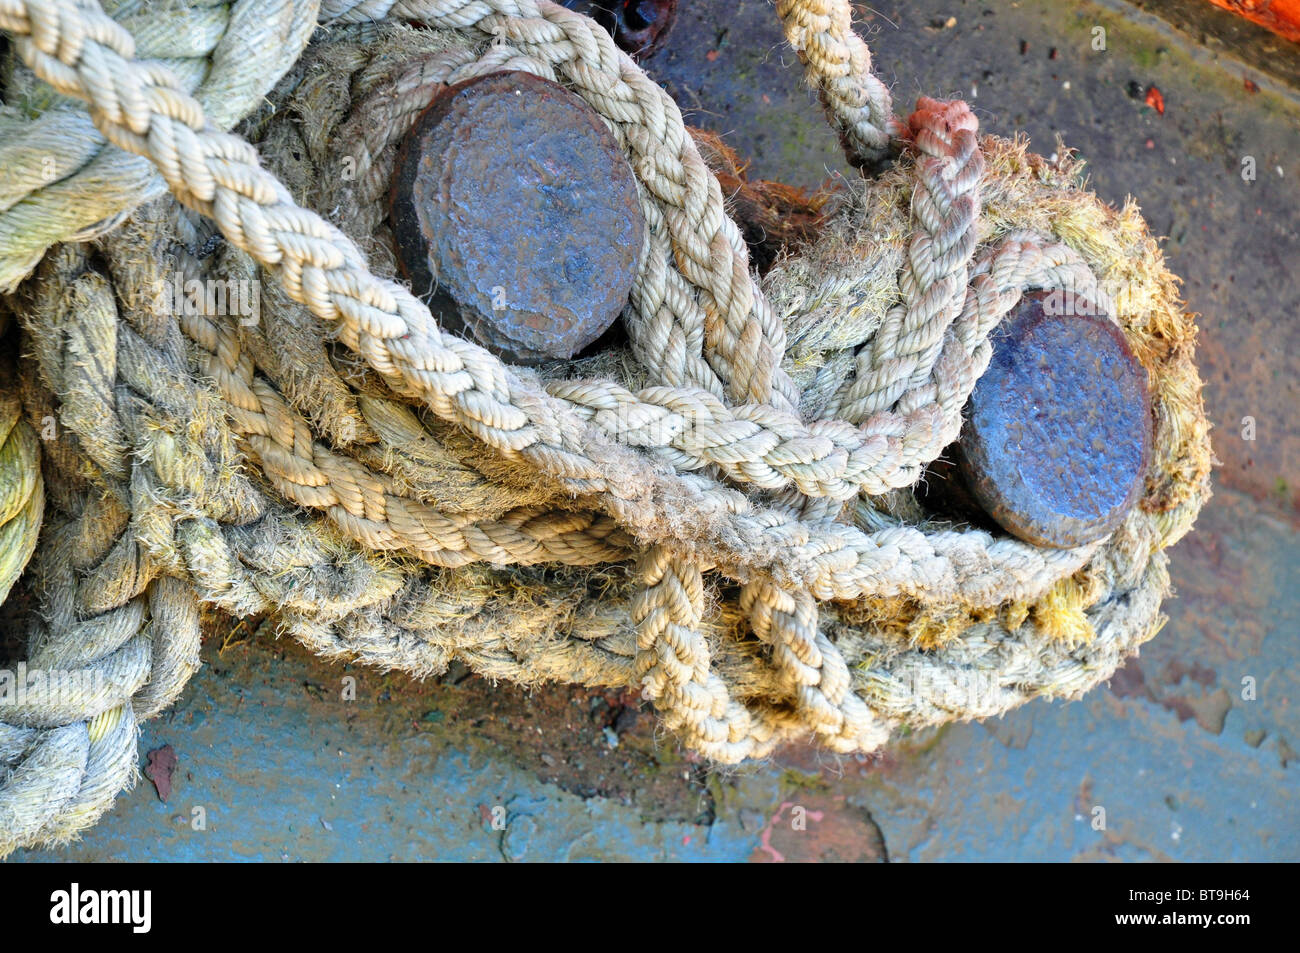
(22,491)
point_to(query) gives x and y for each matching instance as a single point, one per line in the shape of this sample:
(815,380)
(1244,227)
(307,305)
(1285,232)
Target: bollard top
(517,217)
(1057,439)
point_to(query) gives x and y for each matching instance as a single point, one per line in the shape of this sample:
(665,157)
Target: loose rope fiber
(720,514)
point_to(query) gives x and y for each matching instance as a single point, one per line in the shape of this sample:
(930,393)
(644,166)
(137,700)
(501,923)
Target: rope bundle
(732,492)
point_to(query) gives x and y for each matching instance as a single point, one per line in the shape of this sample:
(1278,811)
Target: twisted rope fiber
(61,181)
(838,66)
(22,491)
(169,449)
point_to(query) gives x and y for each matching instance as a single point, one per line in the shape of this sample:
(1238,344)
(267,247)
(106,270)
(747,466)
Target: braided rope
(149,483)
(58,179)
(838,66)
(22,491)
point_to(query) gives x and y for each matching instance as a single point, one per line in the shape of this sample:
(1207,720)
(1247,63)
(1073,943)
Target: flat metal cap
(1057,438)
(516,216)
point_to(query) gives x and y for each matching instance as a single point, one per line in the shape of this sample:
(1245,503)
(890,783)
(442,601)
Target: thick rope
(570,472)
(59,179)
(22,491)
(838,66)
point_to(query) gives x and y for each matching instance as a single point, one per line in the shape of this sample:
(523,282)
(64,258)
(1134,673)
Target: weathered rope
(59,179)
(838,66)
(22,491)
(389,511)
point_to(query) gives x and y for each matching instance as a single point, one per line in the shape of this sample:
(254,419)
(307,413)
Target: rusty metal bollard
(516,216)
(1058,432)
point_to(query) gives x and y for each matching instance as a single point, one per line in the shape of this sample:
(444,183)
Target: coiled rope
(407,499)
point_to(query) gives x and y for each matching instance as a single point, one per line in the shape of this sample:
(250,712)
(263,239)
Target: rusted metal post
(516,216)
(1058,432)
